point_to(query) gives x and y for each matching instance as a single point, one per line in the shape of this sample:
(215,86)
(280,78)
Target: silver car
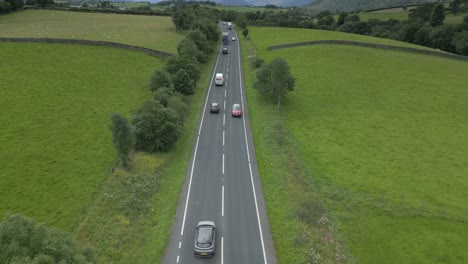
(205,239)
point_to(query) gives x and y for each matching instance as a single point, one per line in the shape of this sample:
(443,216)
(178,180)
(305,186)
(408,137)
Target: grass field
(293,35)
(242,9)
(382,134)
(56,103)
(400,14)
(153,32)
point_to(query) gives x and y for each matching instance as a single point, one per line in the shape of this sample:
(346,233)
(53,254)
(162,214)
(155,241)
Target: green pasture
(155,32)
(243,9)
(400,14)
(293,35)
(382,136)
(55,143)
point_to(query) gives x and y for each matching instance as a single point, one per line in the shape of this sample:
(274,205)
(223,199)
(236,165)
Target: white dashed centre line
(180,244)
(177,259)
(223,138)
(222,250)
(222,202)
(223,163)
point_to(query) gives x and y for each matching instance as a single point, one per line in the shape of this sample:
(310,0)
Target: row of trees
(156,125)
(10,5)
(424,26)
(22,240)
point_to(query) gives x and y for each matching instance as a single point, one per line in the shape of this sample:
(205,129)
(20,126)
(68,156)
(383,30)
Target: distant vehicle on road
(225,51)
(229,25)
(224,22)
(236,110)
(214,108)
(219,79)
(233,39)
(205,239)
(225,38)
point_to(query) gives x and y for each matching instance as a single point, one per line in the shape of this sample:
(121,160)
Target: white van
(219,80)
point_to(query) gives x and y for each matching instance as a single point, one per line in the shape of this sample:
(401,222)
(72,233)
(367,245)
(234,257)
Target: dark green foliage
(245,32)
(179,105)
(323,14)
(423,36)
(352,18)
(163,94)
(161,78)
(441,38)
(422,12)
(156,127)
(5,7)
(44,3)
(201,41)
(408,30)
(190,66)
(188,49)
(356,27)
(460,41)
(183,19)
(455,6)
(123,137)
(257,62)
(15,4)
(325,22)
(437,15)
(274,80)
(183,83)
(241,21)
(209,29)
(22,240)
(341,19)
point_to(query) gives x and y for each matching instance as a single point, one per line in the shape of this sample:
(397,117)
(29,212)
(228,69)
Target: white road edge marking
(222,202)
(248,159)
(196,149)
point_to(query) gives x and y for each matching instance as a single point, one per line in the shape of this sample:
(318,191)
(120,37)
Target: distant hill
(355,5)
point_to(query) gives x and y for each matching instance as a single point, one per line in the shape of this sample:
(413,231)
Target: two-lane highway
(222,182)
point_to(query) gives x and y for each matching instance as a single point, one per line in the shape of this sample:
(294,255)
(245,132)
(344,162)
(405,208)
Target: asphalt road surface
(222,182)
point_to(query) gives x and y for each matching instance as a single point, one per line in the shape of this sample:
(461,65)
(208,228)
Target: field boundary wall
(89,42)
(370,45)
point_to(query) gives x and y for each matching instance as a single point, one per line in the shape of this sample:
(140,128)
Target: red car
(236,110)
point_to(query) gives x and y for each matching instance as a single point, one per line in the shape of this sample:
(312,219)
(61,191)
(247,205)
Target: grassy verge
(300,225)
(153,32)
(55,145)
(119,236)
(381,134)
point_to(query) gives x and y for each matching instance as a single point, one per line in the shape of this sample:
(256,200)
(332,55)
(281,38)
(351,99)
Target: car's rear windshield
(204,238)
(236,107)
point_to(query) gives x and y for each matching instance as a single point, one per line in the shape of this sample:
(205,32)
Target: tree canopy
(274,80)
(156,127)
(23,240)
